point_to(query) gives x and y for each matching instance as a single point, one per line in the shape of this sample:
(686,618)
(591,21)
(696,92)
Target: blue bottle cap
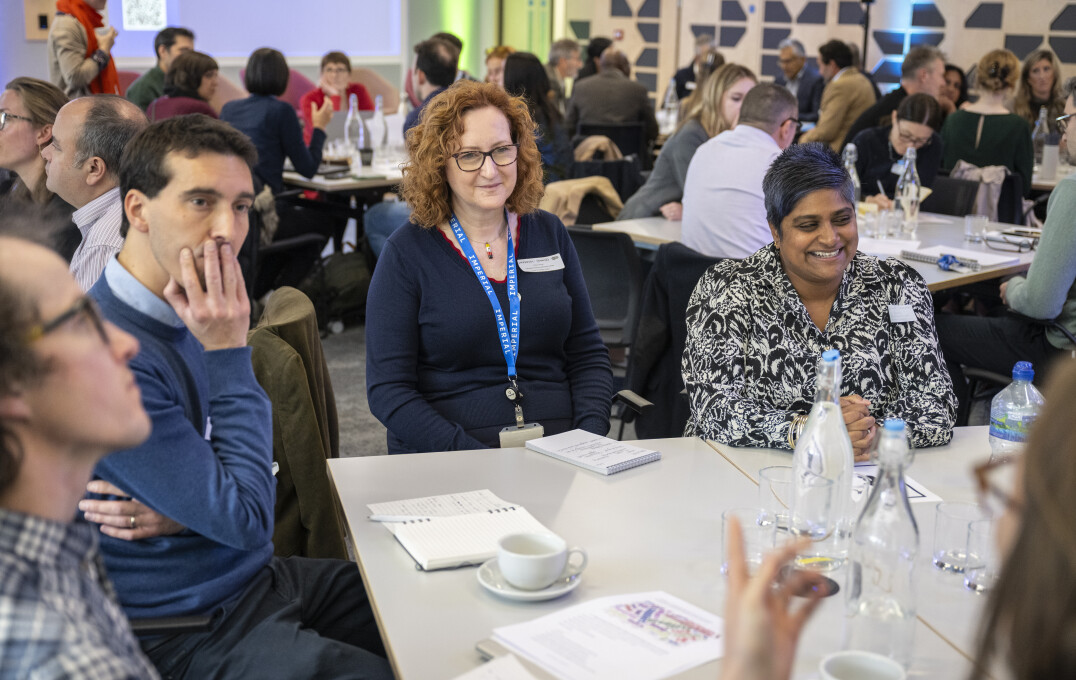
(1023,371)
(893,424)
(831,355)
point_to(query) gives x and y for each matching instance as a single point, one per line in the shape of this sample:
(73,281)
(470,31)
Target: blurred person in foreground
(67,399)
(756,327)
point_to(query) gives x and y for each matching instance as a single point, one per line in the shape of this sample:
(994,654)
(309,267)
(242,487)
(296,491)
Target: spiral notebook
(453,530)
(593,452)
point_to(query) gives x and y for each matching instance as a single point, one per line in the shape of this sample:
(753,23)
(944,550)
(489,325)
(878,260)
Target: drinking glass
(814,514)
(951,522)
(981,572)
(757,537)
(775,495)
(975,228)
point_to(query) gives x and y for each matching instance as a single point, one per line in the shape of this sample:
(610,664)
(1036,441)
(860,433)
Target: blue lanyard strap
(508,334)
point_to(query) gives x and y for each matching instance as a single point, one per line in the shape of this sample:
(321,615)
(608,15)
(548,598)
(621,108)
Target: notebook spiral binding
(931,259)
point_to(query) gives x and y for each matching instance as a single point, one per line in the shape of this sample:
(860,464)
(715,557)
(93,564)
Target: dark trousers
(298,618)
(994,344)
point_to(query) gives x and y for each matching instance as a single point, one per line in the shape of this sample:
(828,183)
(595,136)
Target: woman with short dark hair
(756,327)
(477,263)
(190,83)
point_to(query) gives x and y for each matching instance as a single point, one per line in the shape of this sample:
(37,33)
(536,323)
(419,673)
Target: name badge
(690,85)
(548,263)
(901,314)
(897,168)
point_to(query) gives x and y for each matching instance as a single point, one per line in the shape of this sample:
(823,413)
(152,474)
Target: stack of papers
(639,636)
(592,451)
(886,247)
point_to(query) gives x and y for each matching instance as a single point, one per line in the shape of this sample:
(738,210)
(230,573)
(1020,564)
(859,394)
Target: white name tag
(548,263)
(901,314)
(690,85)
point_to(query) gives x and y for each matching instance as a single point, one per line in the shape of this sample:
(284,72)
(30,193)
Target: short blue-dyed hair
(802,169)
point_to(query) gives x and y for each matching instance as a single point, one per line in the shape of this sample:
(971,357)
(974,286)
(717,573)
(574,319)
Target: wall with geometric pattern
(658,36)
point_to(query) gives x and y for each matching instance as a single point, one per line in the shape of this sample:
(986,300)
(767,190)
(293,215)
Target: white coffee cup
(856,664)
(534,561)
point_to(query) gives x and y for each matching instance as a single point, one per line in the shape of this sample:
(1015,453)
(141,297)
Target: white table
(656,527)
(1039,184)
(944,230)
(951,612)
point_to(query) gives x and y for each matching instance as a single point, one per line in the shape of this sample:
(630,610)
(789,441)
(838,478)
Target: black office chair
(1011,199)
(659,338)
(952,196)
(625,174)
(613,273)
(630,138)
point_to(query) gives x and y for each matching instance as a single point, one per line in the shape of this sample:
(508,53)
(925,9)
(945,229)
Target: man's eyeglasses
(4,115)
(797,121)
(996,485)
(917,142)
(1062,122)
(84,307)
(470,161)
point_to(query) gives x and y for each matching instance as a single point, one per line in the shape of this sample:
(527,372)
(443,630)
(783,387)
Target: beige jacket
(69,67)
(844,99)
(563,198)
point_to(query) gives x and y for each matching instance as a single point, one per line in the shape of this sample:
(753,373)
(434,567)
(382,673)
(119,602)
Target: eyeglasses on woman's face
(5,115)
(471,161)
(910,140)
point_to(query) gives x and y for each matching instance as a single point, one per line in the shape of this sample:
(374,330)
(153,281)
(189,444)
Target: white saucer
(489,575)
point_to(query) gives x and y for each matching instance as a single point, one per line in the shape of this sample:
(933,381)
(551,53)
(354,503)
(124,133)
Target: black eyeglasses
(470,161)
(797,121)
(1007,245)
(917,142)
(1062,122)
(4,115)
(85,307)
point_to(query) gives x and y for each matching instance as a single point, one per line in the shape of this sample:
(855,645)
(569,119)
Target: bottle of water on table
(880,591)
(1013,410)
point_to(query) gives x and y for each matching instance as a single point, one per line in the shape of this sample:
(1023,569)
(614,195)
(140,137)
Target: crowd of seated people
(133,331)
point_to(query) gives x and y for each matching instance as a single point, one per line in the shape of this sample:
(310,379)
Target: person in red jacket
(334,83)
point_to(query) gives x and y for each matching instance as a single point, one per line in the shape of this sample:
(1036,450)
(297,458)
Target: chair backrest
(227,91)
(1011,199)
(613,273)
(625,174)
(126,78)
(630,138)
(376,85)
(289,363)
(952,196)
(659,338)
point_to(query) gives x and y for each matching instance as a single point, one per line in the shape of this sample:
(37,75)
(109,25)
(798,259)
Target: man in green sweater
(169,44)
(1048,292)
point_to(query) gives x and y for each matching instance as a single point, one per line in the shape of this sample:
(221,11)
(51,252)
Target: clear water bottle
(379,129)
(1013,410)
(356,136)
(1039,134)
(670,109)
(824,450)
(880,590)
(908,192)
(848,159)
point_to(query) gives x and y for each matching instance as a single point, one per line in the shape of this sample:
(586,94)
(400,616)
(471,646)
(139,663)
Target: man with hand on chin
(189,518)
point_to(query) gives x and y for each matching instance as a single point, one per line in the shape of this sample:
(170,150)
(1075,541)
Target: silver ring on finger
(134,522)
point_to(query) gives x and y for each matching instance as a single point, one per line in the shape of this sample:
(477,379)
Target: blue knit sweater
(435,371)
(221,487)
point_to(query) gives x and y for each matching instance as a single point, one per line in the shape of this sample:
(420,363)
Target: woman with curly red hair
(477,314)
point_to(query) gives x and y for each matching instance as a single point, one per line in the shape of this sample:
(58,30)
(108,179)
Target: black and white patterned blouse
(752,350)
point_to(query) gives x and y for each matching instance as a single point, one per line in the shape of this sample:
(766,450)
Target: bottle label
(1010,428)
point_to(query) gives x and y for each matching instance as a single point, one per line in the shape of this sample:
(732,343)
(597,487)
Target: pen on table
(397,518)
(881,189)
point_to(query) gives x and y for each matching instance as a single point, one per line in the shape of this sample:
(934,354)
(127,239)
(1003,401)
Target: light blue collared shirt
(132,292)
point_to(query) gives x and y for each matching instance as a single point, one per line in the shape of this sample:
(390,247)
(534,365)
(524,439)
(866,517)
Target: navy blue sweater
(435,372)
(273,126)
(222,488)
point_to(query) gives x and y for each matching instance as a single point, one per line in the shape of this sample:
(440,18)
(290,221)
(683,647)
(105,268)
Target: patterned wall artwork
(748,31)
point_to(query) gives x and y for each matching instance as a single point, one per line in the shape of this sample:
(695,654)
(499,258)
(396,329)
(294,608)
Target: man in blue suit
(800,78)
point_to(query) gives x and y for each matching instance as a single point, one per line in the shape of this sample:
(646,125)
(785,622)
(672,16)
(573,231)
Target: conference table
(934,230)
(654,527)
(1040,184)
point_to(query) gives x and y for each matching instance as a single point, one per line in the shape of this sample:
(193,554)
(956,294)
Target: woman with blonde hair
(716,110)
(1040,86)
(28,109)
(495,57)
(478,318)
(987,133)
